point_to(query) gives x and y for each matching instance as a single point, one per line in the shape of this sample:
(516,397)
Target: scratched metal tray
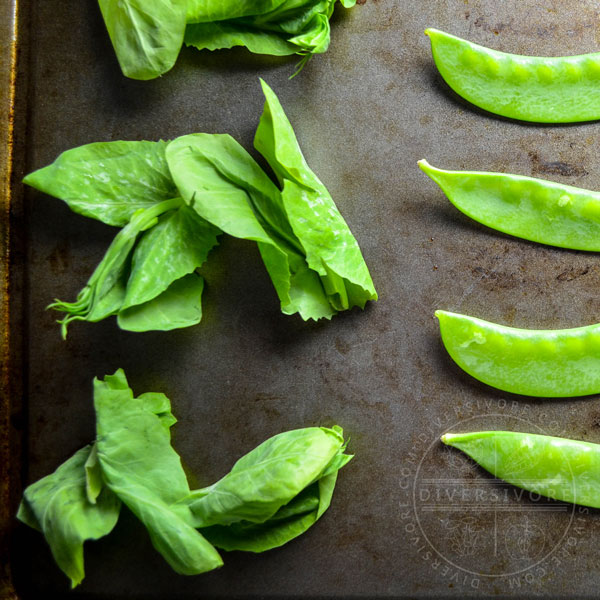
(409,518)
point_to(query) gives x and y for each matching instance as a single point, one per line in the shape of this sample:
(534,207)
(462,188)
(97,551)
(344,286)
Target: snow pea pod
(558,468)
(529,88)
(533,209)
(548,363)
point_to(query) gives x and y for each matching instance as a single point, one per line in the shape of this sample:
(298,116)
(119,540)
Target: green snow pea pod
(529,88)
(549,363)
(554,467)
(533,209)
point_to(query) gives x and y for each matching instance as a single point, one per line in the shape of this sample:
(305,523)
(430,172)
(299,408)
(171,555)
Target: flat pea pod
(533,209)
(528,88)
(558,468)
(546,363)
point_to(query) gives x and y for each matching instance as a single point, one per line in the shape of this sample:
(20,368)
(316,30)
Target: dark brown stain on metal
(482,23)
(60,258)
(595,419)
(540,166)
(573,273)
(341,346)
(497,279)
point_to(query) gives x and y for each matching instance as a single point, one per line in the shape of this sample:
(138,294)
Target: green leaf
(315,38)
(93,476)
(130,433)
(273,494)
(299,288)
(331,249)
(159,404)
(217,36)
(144,471)
(260,537)
(290,521)
(108,181)
(206,11)
(180,305)
(295,16)
(266,478)
(225,186)
(58,506)
(279,28)
(106,290)
(146,34)
(177,245)
(147,278)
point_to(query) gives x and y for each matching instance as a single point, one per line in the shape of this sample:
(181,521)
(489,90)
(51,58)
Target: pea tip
(450,438)
(430,170)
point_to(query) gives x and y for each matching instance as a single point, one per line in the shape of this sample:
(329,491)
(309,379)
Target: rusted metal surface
(409,519)
(11,434)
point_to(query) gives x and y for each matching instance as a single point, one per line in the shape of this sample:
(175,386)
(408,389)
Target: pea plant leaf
(174,199)
(222,183)
(207,11)
(310,29)
(227,188)
(225,185)
(93,475)
(146,34)
(180,305)
(287,523)
(278,28)
(159,405)
(143,470)
(331,249)
(272,494)
(58,505)
(299,288)
(108,181)
(147,277)
(216,36)
(267,478)
(175,246)
(105,290)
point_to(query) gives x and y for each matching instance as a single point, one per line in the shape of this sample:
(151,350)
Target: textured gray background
(364,113)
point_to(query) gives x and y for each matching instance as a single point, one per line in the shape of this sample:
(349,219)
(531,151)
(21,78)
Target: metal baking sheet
(409,519)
